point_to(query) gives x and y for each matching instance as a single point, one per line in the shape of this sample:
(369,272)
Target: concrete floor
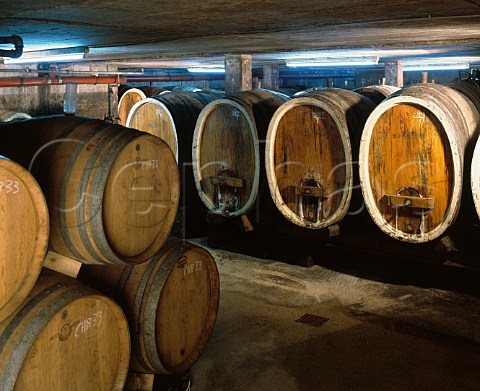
(378,336)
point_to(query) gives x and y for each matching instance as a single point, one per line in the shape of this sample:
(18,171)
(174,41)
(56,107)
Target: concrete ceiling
(171,33)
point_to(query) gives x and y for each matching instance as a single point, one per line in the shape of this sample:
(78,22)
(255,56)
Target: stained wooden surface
(229,141)
(409,149)
(65,337)
(152,117)
(24,229)
(127,101)
(414,145)
(171,303)
(309,149)
(227,145)
(112,192)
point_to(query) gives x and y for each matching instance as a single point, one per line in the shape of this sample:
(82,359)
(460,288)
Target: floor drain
(312,320)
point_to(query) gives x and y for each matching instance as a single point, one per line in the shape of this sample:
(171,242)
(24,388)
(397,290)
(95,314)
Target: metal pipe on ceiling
(46,81)
(15,40)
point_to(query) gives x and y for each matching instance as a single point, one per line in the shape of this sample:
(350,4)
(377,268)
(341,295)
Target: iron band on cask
(411,160)
(65,336)
(308,157)
(24,228)
(171,303)
(112,192)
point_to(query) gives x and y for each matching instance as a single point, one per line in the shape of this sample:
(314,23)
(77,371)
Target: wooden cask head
(65,336)
(171,304)
(411,161)
(309,160)
(228,150)
(171,117)
(127,101)
(24,230)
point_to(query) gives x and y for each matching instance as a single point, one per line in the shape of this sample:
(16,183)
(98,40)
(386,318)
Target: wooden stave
(247,102)
(337,102)
(377,92)
(138,290)
(182,108)
(53,294)
(451,107)
(38,203)
(59,127)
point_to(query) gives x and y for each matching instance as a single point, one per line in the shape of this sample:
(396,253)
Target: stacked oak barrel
(106,196)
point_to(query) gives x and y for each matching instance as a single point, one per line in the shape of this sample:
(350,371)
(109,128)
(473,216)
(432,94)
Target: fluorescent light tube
(335,62)
(205,70)
(435,67)
(54,58)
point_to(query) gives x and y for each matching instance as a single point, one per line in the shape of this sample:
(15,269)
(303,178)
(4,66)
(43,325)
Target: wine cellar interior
(240,195)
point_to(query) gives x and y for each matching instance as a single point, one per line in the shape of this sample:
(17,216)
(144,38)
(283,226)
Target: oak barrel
(24,228)
(112,192)
(172,117)
(377,93)
(65,336)
(411,160)
(9,115)
(132,95)
(171,303)
(228,150)
(308,158)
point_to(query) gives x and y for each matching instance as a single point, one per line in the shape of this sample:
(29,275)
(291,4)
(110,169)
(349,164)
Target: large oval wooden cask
(24,228)
(411,160)
(171,303)
(308,158)
(132,95)
(228,150)
(112,192)
(377,93)
(172,117)
(65,336)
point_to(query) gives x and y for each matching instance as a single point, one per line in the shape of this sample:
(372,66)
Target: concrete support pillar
(394,73)
(238,73)
(271,76)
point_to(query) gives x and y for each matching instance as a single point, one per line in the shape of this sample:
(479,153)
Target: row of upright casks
(408,154)
(107,196)
(407,150)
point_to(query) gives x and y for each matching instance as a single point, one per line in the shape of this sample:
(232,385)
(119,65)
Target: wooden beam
(410,201)
(238,73)
(61,264)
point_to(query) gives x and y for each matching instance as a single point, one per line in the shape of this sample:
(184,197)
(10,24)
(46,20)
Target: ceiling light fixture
(436,67)
(335,62)
(50,55)
(205,70)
